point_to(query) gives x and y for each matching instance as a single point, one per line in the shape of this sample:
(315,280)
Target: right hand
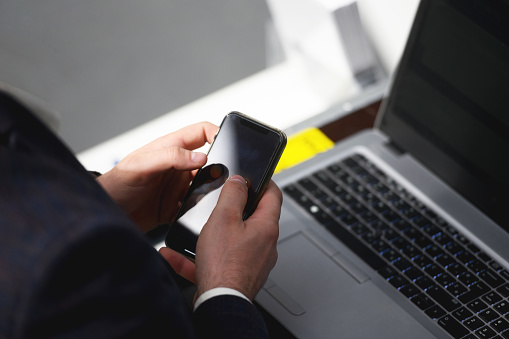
(234,253)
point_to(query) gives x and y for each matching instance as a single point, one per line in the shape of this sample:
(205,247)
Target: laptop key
(400,243)
(456,269)
(473,248)
(435,312)
(424,282)
(473,323)
(387,272)
(308,185)
(350,162)
(484,257)
(413,273)
(443,239)
(324,179)
(391,255)
(492,298)
(477,305)
(468,278)
(504,290)
(502,307)
(293,191)
(422,261)
(380,246)
(410,290)
(495,265)
(454,327)
(500,325)
(462,313)
(402,264)
(488,315)
(443,298)
(424,242)
(454,248)
(485,332)
(465,257)
(422,301)
(476,291)
(477,266)
(360,229)
(398,281)
(434,270)
(445,260)
(357,246)
(504,274)
(456,288)
(492,278)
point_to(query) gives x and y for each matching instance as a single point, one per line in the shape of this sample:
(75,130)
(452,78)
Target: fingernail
(198,157)
(238,178)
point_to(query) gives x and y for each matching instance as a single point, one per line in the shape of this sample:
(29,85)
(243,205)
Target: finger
(233,198)
(269,206)
(190,137)
(162,160)
(182,266)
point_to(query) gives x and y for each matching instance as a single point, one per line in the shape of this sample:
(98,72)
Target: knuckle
(173,153)
(269,233)
(238,189)
(273,232)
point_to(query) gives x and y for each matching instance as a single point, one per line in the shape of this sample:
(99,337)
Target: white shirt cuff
(215,292)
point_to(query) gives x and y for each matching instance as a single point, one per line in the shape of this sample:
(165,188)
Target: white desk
(280,95)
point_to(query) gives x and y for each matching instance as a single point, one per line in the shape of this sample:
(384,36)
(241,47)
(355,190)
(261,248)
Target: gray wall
(106,66)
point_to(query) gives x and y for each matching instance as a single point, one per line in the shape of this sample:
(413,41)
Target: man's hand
(150,183)
(231,252)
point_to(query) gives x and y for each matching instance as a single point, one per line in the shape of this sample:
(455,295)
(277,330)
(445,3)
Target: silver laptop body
(442,142)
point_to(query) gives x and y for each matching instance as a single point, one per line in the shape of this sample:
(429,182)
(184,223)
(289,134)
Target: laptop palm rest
(307,247)
(310,251)
(336,281)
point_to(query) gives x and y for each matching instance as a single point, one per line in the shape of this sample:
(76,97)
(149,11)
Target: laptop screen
(449,104)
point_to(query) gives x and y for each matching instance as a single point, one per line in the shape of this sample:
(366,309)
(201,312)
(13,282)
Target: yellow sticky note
(303,146)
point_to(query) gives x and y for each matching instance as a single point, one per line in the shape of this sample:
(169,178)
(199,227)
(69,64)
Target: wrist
(245,287)
(216,292)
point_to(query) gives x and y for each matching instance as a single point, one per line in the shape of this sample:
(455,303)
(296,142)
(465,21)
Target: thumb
(233,198)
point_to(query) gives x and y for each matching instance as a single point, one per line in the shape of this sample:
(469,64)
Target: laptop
(402,231)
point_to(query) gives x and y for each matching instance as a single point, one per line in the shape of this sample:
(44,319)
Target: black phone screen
(242,147)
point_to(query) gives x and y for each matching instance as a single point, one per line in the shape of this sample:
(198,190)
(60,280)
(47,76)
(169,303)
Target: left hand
(150,183)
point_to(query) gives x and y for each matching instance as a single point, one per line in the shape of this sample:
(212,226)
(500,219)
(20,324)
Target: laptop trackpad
(301,260)
(325,295)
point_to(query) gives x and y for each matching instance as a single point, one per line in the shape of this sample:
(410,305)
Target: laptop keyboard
(447,277)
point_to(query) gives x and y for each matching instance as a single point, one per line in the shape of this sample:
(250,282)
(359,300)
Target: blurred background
(108,66)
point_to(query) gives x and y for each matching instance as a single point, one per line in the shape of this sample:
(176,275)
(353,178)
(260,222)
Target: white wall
(109,65)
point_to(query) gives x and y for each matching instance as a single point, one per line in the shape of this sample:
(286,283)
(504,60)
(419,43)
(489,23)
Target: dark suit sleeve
(229,316)
(73,265)
(108,284)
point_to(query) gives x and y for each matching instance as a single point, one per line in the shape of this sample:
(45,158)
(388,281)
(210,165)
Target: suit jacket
(73,265)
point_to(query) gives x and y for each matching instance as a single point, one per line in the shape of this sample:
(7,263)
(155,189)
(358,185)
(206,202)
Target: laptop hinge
(395,149)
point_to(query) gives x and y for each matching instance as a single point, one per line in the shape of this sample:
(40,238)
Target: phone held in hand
(242,146)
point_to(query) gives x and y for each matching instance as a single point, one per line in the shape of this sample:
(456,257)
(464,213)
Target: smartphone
(242,146)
